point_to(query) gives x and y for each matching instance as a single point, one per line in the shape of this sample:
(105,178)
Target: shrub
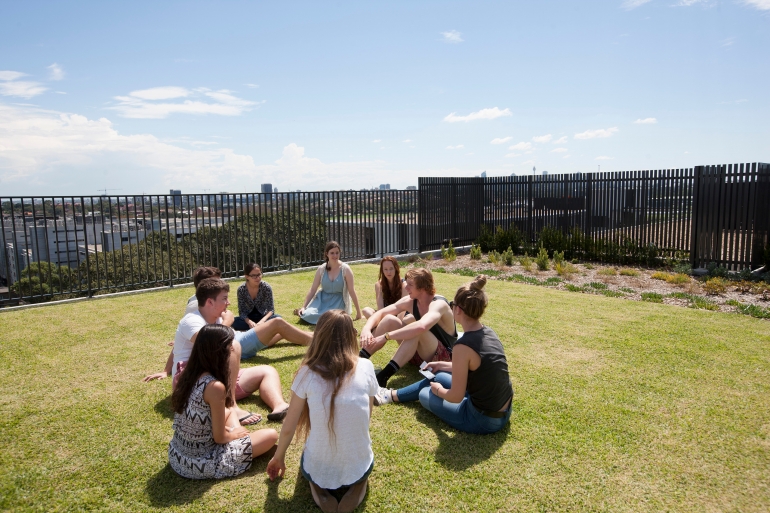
(449,254)
(659,275)
(485,242)
(608,271)
(588,266)
(612,293)
(715,286)
(512,237)
(597,285)
(508,256)
(526,262)
(627,290)
(703,303)
(475,252)
(678,279)
(574,288)
(494,257)
(553,280)
(558,257)
(565,269)
(652,297)
(683,268)
(489,272)
(466,272)
(754,311)
(438,270)
(715,271)
(629,272)
(552,240)
(760,288)
(542,259)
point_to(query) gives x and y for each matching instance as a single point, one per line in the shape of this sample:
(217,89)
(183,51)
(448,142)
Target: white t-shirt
(190,324)
(192,305)
(333,465)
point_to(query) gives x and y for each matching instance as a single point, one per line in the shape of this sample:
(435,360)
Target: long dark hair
(329,246)
(332,354)
(210,353)
(390,296)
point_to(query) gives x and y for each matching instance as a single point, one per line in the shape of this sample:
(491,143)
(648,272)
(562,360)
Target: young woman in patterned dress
(208,441)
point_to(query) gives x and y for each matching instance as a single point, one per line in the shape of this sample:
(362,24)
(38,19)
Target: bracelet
(387,336)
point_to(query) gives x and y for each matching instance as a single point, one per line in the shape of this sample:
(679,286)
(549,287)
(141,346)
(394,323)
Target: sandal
(257,415)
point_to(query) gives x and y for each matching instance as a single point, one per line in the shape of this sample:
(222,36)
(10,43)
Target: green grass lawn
(619,406)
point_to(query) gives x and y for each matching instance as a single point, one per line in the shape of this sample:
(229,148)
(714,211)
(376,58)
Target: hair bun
(479,282)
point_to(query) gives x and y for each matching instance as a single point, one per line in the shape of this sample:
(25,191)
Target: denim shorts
(250,344)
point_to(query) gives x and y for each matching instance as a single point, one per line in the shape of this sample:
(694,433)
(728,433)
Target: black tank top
(445,338)
(490,385)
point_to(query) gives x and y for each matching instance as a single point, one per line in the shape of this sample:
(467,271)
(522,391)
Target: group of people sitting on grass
(335,388)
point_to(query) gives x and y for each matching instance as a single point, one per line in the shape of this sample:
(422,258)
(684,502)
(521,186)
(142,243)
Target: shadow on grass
(265,359)
(167,488)
(302,500)
(463,450)
(163,407)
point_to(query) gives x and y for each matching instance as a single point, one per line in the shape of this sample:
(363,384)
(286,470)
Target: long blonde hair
(333,355)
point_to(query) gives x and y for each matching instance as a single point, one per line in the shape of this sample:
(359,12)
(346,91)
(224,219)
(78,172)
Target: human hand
(358,315)
(170,344)
(374,344)
(435,367)
(275,468)
(251,323)
(152,377)
(265,318)
(436,388)
(237,431)
(228,318)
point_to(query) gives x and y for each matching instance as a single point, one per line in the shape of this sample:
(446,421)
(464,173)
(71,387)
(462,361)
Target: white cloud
(522,146)
(253,86)
(561,140)
(633,4)
(377,140)
(600,133)
(65,153)
(646,121)
(452,36)
(500,140)
(11,75)
(55,72)
(22,88)
(481,114)
(603,157)
(559,150)
(160,93)
(406,141)
(762,5)
(142,104)
(455,147)
(542,138)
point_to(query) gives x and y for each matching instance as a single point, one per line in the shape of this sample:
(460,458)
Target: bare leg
(261,441)
(367,312)
(265,379)
(387,324)
(425,346)
(235,366)
(267,332)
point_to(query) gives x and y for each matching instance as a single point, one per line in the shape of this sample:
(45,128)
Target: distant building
(177,195)
(411,188)
(275,190)
(385,187)
(484,174)
(267,188)
(545,173)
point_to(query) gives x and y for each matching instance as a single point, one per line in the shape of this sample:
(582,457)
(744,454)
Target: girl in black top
(473,392)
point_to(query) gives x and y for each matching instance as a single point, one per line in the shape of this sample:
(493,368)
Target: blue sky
(147,96)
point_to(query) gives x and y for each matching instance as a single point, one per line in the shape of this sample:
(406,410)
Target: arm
(350,281)
(214,396)
(416,328)
(313,290)
(378,295)
(166,370)
(277,465)
(228,318)
(376,318)
(243,307)
(461,359)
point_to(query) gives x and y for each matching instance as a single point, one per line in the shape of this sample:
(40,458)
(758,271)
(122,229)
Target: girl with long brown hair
(388,288)
(208,441)
(330,407)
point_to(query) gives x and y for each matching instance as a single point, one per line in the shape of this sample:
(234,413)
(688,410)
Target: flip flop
(279,415)
(259,419)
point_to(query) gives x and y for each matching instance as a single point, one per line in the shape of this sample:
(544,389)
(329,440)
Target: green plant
(475,252)
(558,257)
(680,295)
(553,280)
(597,285)
(652,297)
(512,237)
(449,254)
(702,303)
(629,272)
(753,311)
(526,262)
(438,270)
(466,272)
(507,256)
(611,293)
(574,288)
(678,279)
(627,290)
(565,269)
(542,259)
(552,240)
(716,271)
(490,272)
(494,257)
(716,285)
(486,239)
(683,268)
(608,271)
(660,275)
(588,266)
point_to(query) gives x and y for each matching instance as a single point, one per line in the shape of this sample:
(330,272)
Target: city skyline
(225,97)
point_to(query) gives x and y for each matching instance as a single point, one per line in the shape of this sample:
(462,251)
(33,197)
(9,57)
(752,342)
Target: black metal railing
(61,247)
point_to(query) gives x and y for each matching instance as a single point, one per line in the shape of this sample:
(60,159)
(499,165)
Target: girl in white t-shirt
(331,403)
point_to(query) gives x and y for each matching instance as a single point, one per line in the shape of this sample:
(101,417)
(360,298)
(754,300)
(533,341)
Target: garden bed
(625,282)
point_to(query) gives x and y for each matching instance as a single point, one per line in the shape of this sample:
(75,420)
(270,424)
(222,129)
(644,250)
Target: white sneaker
(384,396)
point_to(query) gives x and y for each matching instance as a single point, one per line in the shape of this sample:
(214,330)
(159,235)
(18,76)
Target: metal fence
(60,247)
(706,214)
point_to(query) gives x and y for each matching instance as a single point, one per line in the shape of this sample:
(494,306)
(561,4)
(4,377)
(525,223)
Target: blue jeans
(463,415)
(255,315)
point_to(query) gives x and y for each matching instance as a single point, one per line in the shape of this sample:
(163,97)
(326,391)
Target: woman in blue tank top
(473,392)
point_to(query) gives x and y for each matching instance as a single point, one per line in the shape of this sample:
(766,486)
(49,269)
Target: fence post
(695,217)
(85,243)
(530,185)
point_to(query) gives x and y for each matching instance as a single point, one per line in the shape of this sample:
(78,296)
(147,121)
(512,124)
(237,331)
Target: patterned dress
(193,453)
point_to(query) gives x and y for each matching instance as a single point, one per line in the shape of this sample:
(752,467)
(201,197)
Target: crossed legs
(261,377)
(275,329)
